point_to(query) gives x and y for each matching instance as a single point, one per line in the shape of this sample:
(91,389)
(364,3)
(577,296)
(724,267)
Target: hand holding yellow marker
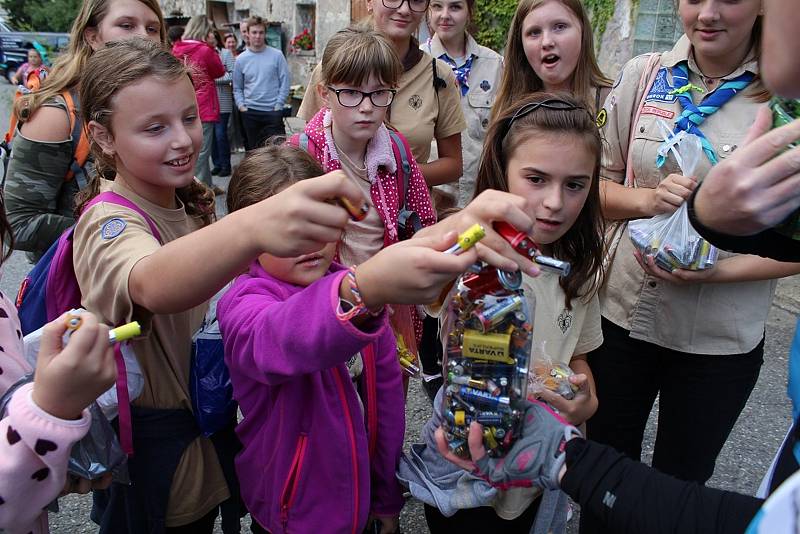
(467,239)
(115,335)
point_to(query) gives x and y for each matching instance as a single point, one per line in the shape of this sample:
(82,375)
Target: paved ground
(740,467)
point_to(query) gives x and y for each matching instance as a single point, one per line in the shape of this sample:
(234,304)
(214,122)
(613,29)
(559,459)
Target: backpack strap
(80,142)
(649,75)
(401,156)
(115,198)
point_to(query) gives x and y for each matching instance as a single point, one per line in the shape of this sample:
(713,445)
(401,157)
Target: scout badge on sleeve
(488,333)
(785,111)
(670,238)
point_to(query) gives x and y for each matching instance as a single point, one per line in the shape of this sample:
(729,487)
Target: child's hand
(671,192)
(580,408)
(411,272)
(301,219)
(678,276)
(488,207)
(69,379)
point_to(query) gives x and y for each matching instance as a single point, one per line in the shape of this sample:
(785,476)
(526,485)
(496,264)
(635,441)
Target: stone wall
(615,47)
(187,8)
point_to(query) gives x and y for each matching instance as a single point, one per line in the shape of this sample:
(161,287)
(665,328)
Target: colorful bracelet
(354,308)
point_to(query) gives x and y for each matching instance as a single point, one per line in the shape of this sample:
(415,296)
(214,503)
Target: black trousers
(700,399)
(260,126)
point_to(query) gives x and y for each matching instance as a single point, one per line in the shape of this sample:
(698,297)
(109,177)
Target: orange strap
(81,152)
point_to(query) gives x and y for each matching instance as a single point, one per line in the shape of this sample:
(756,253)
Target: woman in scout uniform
(478,72)
(427,106)
(696,338)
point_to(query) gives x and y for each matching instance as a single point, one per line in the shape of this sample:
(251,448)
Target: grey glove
(537,455)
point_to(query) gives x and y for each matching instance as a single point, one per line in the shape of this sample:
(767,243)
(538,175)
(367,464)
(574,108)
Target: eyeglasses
(418,6)
(351,98)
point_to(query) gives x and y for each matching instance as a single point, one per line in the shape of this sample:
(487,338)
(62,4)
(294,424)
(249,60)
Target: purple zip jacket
(313,461)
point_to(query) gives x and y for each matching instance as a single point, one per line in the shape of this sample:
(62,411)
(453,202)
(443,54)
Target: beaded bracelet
(357,308)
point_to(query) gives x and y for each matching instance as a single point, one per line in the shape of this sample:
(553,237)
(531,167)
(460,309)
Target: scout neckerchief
(462,72)
(694,115)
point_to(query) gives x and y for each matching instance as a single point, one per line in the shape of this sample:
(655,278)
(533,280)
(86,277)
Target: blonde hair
(197,28)
(110,70)
(355,53)
(71,66)
(519,78)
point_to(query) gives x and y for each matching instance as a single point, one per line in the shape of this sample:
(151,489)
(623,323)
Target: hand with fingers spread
(671,192)
(758,186)
(486,208)
(536,458)
(70,378)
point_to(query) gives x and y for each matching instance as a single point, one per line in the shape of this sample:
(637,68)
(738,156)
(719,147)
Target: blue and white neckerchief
(462,72)
(694,115)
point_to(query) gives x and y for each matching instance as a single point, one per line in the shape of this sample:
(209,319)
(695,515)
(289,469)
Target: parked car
(14,47)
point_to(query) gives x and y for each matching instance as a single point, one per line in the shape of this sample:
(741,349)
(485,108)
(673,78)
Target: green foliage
(493,19)
(600,12)
(42,15)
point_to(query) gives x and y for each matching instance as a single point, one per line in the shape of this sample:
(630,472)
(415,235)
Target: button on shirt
(695,318)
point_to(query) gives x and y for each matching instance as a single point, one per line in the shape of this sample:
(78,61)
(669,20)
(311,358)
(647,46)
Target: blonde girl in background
(478,71)
(43,177)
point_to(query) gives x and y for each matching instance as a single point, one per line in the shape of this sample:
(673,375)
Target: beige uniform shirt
(104,259)
(693,318)
(418,112)
(483,82)
(564,334)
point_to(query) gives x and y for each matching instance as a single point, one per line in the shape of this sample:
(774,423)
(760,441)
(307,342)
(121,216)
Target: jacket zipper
(372,398)
(351,433)
(293,479)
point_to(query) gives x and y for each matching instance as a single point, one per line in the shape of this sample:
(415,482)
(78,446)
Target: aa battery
(490,317)
(483,398)
(560,267)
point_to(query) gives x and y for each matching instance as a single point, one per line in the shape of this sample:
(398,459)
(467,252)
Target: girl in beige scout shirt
(139,106)
(478,72)
(427,105)
(695,338)
(550,48)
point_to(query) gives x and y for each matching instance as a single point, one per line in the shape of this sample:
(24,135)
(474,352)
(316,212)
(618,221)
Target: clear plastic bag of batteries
(669,238)
(487,331)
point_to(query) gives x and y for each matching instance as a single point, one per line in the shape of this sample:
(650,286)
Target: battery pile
(486,362)
(673,244)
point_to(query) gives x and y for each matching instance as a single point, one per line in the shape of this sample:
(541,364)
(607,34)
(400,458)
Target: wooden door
(358,10)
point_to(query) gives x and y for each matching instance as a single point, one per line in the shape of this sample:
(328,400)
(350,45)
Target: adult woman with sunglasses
(695,338)
(427,105)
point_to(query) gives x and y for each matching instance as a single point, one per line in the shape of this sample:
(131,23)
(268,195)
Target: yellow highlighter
(124,332)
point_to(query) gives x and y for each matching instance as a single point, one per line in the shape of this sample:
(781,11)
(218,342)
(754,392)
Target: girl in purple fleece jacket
(320,446)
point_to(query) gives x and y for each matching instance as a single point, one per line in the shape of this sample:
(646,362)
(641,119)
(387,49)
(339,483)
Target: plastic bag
(669,238)
(488,332)
(547,374)
(94,455)
(209,379)
(107,401)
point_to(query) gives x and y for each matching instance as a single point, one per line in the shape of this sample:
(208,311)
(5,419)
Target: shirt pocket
(647,139)
(477,112)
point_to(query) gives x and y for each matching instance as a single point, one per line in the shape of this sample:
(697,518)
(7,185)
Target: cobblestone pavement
(740,467)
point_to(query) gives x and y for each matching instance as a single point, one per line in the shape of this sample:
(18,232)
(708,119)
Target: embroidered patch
(660,92)
(652,110)
(602,118)
(564,321)
(485,85)
(415,102)
(112,228)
